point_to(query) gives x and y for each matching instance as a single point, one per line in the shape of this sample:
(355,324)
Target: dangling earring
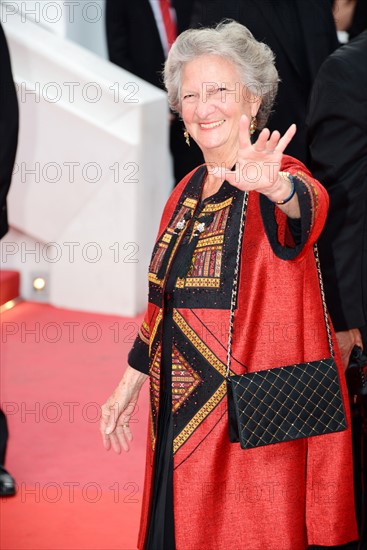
(187,137)
(253,125)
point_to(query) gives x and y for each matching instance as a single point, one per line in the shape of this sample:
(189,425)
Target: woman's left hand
(258,164)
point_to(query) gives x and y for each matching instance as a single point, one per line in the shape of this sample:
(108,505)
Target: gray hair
(253,60)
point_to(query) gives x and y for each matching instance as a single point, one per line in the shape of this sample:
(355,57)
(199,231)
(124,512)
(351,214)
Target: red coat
(279,497)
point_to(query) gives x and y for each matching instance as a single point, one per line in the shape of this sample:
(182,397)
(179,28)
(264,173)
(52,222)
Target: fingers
(119,439)
(345,343)
(106,441)
(357,337)
(109,417)
(251,158)
(244,132)
(114,426)
(285,140)
(115,443)
(262,141)
(105,419)
(124,436)
(273,141)
(110,414)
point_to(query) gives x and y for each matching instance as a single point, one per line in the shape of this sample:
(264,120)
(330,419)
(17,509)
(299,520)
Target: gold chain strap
(235,287)
(235,279)
(326,316)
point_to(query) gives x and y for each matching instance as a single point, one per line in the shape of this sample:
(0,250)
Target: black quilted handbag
(283,403)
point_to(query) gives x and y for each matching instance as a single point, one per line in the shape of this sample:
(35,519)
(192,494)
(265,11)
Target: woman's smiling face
(213,99)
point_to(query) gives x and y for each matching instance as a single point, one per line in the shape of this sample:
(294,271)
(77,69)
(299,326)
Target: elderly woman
(202,491)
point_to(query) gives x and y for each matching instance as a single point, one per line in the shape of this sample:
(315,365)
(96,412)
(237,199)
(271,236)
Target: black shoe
(7,483)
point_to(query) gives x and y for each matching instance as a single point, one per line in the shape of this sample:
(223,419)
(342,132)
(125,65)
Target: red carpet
(57,366)
(9,285)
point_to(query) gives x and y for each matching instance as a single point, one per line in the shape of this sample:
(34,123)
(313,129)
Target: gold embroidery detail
(155,328)
(205,410)
(313,192)
(166,239)
(190,203)
(151,429)
(200,281)
(198,343)
(143,332)
(214,207)
(209,241)
(152,277)
(184,379)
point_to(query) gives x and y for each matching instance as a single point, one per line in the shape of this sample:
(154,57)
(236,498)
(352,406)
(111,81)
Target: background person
(338,143)
(301,33)
(138,41)
(350,18)
(9,123)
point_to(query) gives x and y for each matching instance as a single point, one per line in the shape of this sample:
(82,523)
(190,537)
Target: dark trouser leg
(359,429)
(161,534)
(349,546)
(3,437)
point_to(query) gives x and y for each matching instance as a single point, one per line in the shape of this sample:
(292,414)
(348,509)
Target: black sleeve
(300,229)
(9,121)
(337,136)
(138,357)
(295,227)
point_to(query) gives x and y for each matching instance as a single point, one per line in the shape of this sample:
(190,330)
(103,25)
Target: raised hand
(257,165)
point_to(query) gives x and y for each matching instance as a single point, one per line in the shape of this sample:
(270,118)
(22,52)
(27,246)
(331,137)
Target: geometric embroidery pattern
(184,379)
(205,376)
(160,249)
(198,343)
(144,332)
(205,410)
(154,330)
(154,377)
(207,261)
(208,282)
